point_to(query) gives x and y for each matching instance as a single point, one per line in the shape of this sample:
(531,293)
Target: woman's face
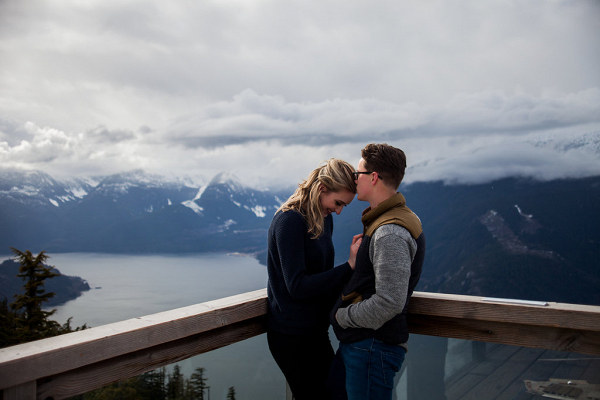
(334,201)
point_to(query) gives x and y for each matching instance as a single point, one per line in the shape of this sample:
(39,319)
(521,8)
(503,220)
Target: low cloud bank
(540,157)
(249,117)
(266,140)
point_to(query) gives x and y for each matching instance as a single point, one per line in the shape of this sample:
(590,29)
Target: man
(369,318)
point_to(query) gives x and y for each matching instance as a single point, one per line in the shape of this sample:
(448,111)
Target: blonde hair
(335,175)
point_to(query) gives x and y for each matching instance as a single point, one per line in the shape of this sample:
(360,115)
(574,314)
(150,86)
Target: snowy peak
(587,142)
(138,178)
(10,178)
(140,191)
(78,188)
(227,178)
(151,191)
(233,201)
(37,187)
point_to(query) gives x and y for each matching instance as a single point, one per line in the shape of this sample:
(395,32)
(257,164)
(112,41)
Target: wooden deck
(501,372)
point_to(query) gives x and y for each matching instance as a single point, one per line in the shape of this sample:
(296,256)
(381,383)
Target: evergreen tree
(26,321)
(176,384)
(151,386)
(231,393)
(34,322)
(198,384)
(188,393)
(8,324)
(153,383)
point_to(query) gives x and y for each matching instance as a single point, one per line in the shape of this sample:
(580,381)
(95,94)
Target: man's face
(363,183)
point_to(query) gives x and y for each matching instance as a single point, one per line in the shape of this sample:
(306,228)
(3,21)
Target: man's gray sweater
(391,251)
(389,261)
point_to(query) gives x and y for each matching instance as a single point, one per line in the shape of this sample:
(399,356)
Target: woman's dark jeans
(305,361)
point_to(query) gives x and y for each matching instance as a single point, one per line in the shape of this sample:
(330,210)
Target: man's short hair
(388,161)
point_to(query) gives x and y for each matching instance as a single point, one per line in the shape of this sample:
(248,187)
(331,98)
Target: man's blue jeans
(369,367)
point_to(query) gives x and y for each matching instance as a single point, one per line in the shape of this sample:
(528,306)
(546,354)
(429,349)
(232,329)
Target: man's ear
(374,178)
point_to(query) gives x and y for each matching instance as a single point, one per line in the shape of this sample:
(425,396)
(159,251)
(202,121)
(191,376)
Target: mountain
(31,203)
(134,212)
(38,188)
(509,238)
(221,216)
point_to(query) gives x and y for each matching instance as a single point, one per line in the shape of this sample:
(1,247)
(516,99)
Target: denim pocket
(390,365)
(363,345)
(391,362)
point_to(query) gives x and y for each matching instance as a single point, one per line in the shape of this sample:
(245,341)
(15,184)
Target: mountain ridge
(508,238)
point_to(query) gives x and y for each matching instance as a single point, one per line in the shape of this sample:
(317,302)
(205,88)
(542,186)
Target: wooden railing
(78,362)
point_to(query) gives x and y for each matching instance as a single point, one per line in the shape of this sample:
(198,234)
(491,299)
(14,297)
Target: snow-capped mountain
(133,194)
(226,195)
(129,212)
(36,187)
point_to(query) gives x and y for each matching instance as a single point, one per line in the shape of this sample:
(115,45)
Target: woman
(303,285)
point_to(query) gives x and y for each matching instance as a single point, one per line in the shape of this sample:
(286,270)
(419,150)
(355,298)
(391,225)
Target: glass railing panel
(246,368)
(450,369)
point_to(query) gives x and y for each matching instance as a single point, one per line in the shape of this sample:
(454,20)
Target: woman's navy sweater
(303,285)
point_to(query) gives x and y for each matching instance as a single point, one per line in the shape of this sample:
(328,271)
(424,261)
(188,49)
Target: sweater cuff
(343,318)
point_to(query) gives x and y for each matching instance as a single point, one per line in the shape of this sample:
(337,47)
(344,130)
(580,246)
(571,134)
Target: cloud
(267,162)
(46,145)
(269,89)
(250,117)
(538,157)
(78,64)
(253,117)
(66,153)
(496,111)
(13,132)
(102,134)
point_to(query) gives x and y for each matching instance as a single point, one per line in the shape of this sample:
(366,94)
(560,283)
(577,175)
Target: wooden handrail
(78,362)
(556,326)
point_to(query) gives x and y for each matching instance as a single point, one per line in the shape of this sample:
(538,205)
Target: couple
(365,299)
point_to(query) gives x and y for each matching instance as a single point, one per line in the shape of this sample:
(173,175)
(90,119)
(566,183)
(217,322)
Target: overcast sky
(471,90)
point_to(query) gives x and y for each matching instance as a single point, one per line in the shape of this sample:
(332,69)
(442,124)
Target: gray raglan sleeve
(392,250)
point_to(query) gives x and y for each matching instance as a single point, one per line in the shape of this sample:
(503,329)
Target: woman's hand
(356,241)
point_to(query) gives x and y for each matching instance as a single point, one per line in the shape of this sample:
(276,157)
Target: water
(130,286)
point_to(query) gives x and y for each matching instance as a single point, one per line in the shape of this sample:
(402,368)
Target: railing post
(24,391)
